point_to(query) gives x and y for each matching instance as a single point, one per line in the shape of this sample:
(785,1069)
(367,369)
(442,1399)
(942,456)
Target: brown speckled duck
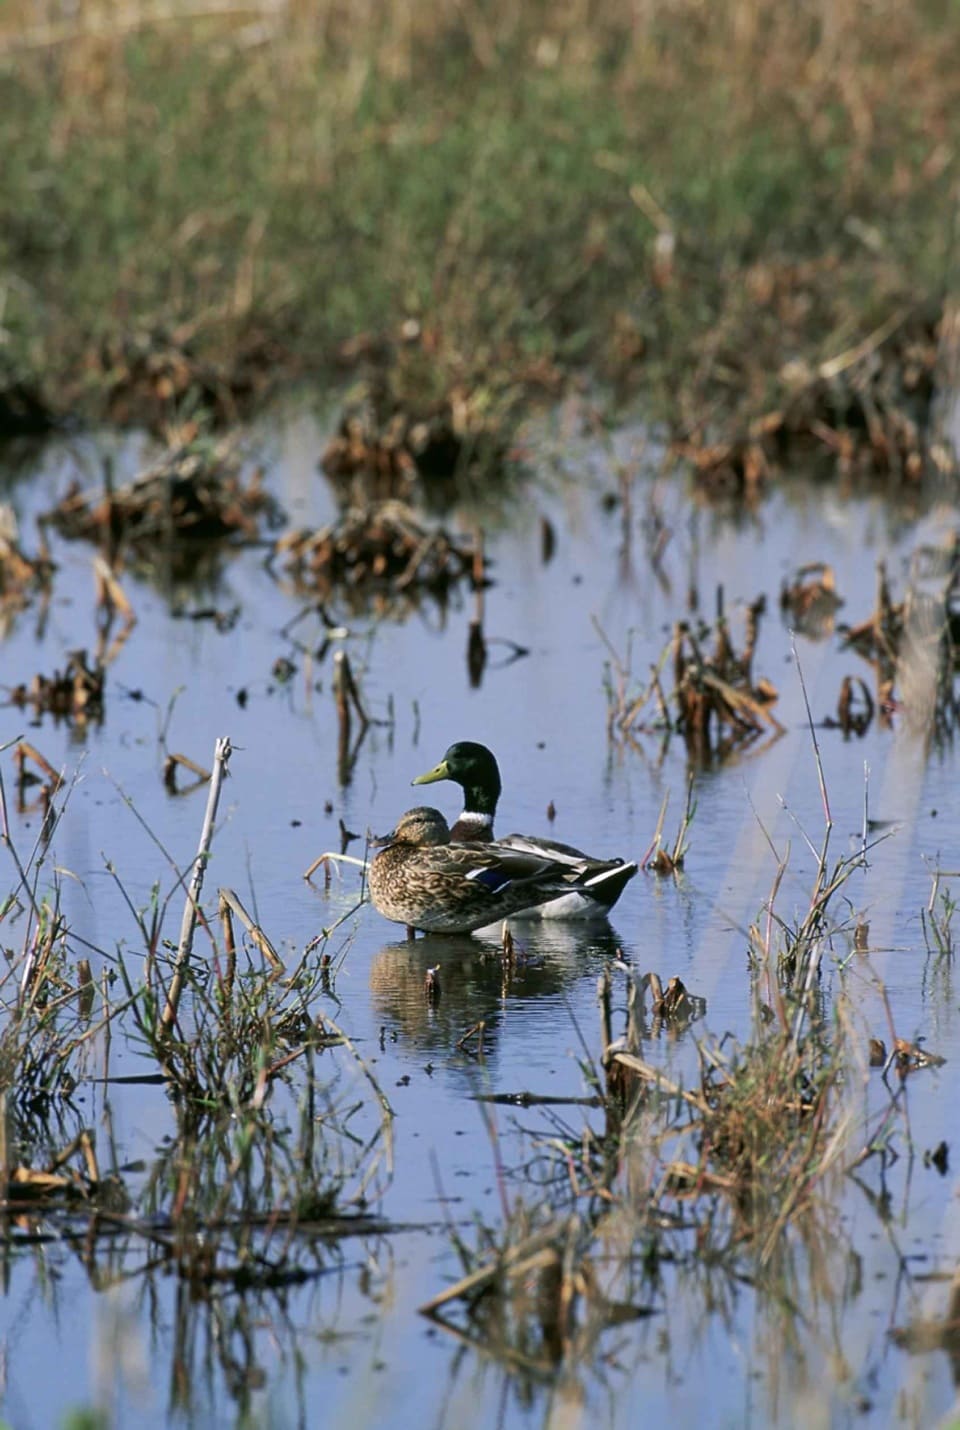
(420,879)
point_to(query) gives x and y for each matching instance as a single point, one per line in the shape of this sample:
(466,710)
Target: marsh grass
(937,918)
(729,1181)
(279,1139)
(684,198)
(702,689)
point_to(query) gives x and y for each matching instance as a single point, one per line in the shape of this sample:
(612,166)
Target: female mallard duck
(419,878)
(599,882)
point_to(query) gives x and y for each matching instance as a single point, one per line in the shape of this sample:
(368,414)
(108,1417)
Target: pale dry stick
(221,757)
(180,876)
(657,833)
(832,367)
(109,591)
(516,1259)
(686,820)
(330,858)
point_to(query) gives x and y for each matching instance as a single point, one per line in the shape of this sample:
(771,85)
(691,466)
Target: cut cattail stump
(347,699)
(476,644)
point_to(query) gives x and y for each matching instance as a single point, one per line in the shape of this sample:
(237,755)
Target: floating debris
(59,1180)
(855,707)
(811,600)
(674,1006)
(176,761)
(191,497)
(75,693)
(910,1057)
(380,552)
(49,781)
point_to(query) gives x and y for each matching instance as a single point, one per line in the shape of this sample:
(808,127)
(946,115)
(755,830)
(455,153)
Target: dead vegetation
(912,646)
(729,1177)
(23,578)
(715,703)
(810,600)
(151,378)
(395,441)
(381,556)
(725,1180)
(76,693)
(867,411)
(260,1174)
(191,499)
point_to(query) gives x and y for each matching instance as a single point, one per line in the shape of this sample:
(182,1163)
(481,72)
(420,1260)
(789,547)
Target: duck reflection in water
(477,979)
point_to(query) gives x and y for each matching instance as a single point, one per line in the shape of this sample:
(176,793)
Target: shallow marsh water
(348,1347)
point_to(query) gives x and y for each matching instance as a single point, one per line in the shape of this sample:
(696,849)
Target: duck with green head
(598,882)
(421,879)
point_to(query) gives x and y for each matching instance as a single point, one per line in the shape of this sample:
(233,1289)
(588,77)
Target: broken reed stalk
(221,757)
(228,902)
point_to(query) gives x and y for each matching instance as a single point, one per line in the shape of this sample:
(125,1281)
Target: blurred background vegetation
(685,198)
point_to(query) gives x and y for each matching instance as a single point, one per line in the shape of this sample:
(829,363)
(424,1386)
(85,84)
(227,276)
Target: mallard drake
(599,882)
(421,879)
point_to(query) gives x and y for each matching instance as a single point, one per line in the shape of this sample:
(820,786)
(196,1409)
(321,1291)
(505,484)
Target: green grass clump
(265,192)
